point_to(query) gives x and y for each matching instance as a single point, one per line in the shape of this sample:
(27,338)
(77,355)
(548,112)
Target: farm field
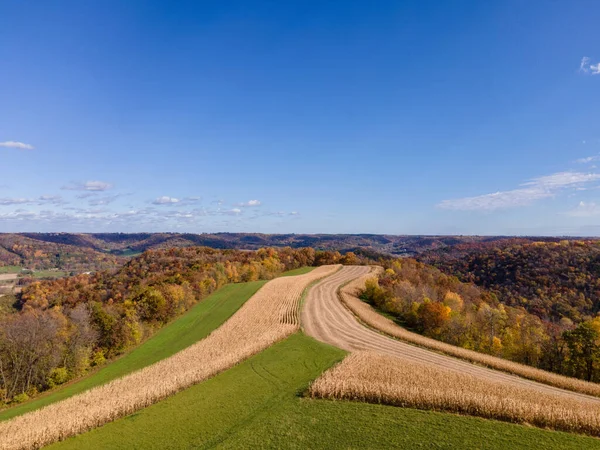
(8,277)
(7,283)
(193,326)
(10,269)
(268,317)
(376,378)
(382,323)
(49,273)
(326,319)
(256,405)
(263,409)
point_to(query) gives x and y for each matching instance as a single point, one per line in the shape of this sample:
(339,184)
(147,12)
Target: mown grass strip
(299,271)
(256,405)
(193,326)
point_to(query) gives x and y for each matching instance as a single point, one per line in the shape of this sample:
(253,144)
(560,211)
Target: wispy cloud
(165,200)
(51,199)
(152,218)
(17,145)
(585,66)
(188,201)
(585,209)
(249,203)
(94,186)
(102,201)
(87,195)
(42,200)
(587,159)
(15,201)
(529,192)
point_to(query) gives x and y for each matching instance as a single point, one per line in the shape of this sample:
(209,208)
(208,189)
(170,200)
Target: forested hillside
(128,244)
(551,280)
(438,305)
(36,254)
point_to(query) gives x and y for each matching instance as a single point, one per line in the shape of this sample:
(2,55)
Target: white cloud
(101,201)
(536,189)
(87,195)
(165,200)
(563,179)
(584,209)
(15,201)
(41,200)
(189,201)
(94,186)
(51,199)
(149,218)
(585,66)
(250,203)
(18,145)
(588,159)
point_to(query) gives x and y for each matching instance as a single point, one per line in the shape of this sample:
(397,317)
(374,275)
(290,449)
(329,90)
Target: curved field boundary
(397,381)
(255,405)
(269,316)
(196,324)
(366,314)
(325,318)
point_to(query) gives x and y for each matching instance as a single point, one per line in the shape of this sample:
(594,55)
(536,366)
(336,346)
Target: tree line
(428,301)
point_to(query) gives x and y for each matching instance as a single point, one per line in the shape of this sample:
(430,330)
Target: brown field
(376,378)
(325,318)
(8,276)
(269,316)
(7,283)
(373,319)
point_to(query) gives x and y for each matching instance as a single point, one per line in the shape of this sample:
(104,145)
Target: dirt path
(326,319)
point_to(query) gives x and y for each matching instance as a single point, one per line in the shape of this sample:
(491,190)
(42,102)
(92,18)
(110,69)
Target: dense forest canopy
(533,303)
(549,279)
(440,306)
(36,254)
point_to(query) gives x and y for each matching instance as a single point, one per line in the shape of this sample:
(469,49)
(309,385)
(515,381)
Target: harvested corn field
(269,316)
(325,318)
(373,319)
(376,378)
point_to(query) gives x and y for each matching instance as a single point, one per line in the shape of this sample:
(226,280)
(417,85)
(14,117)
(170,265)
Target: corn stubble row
(269,316)
(373,319)
(375,378)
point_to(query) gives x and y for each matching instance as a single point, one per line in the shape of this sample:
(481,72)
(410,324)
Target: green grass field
(196,324)
(257,405)
(300,271)
(10,269)
(50,274)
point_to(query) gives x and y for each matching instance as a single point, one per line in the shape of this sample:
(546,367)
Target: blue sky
(463,117)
